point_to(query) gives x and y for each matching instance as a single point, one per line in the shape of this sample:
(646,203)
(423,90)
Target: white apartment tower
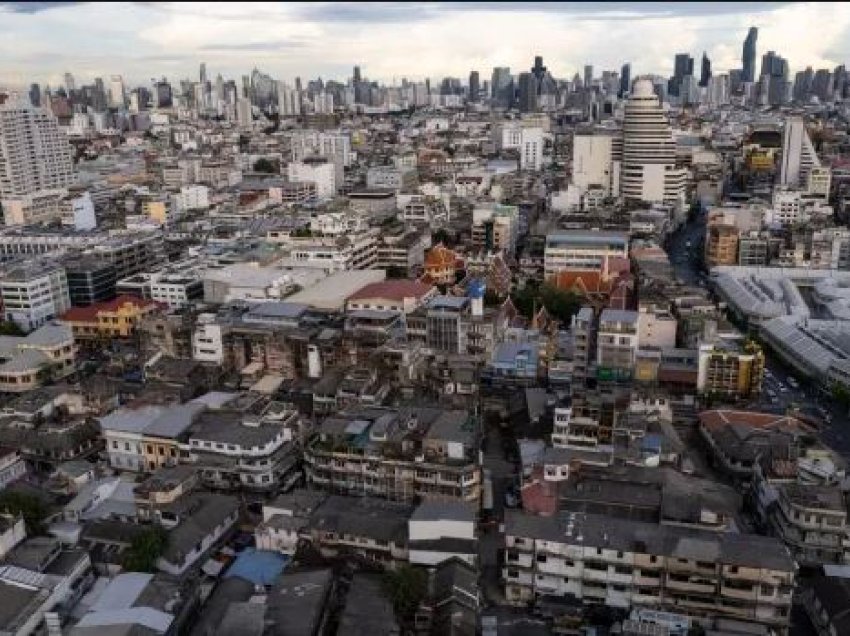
(649,171)
(593,164)
(117,95)
(36,164)
(798,154)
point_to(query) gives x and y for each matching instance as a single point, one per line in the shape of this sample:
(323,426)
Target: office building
(36,164)
(474,86)
(748,57)
(649,172)
(527,87)
(625,79)
(683,66)
(117,94)
(582,250)
(705,71)
(588,76)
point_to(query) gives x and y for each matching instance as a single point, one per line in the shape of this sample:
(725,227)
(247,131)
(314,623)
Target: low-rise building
(110,319)
(26,362)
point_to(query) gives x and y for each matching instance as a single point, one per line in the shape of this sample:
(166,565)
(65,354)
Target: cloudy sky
(39,41)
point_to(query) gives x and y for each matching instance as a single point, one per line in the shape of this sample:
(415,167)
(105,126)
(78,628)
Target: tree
(31,507)
(841,394)
(561,305)
(406,587)
(442,236)
(9,328)
(266,165)
(145,549)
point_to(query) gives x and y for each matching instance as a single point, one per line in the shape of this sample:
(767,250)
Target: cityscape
(427,327)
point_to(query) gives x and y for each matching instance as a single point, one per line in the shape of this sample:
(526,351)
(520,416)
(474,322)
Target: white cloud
(143,40)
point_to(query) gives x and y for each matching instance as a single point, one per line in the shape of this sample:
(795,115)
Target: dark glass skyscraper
(625,79)
(748,58)
(705,70)
(474,86)
(527,93)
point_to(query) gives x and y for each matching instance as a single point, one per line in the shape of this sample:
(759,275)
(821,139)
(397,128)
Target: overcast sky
(39,41)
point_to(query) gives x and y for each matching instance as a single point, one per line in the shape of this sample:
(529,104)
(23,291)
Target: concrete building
(730,373)
(593,164)
(36,166)
(582,249)
(798,154)
(495,227)
(649,171)
(632,564)
(34,293)
(317,171)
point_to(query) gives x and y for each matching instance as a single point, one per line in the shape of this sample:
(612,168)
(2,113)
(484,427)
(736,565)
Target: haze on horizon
(39,41)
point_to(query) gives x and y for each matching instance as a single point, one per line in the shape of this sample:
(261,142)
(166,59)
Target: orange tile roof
(90,313)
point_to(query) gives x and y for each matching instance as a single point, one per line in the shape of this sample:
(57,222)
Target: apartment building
(495,227)
(34,293)
(317,171)
(632,564)
(812,522)
(721,244)
(733,373)
(397,454)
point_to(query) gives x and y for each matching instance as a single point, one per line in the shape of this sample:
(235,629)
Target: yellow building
(112,319)
(731,374)
(156,211)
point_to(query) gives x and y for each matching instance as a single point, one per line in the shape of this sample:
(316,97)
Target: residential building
(34,293)
(632,564)
(357,452)
(315,170)
(734,373)
(798,154)
(495,227)
(36,164)
(593,165)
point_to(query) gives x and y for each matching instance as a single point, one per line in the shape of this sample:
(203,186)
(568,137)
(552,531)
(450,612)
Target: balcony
(698,586)
(742,593)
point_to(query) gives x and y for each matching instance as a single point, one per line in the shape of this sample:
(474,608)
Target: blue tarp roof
(261,567)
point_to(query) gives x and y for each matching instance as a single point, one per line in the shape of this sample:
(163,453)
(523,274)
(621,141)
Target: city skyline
(391,41)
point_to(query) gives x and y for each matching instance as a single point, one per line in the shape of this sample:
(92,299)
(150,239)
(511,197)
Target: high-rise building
(822,84)
(35,95)
(501,86)
(774,83)
(649,171)
(474,86)
(588,76)
(538,70)
(117,96)
(718,90)
(99,101)
(683,66)
(357,77)
(36,164)
(203,73)
(163,94)
(798,154)
(70,86)
(527,93)
(625,79)
(705,70)
(748,57)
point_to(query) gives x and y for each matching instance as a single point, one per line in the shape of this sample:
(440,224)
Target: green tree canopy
(33,509)
(146,548)
(9,328)
(406,587)
(266,165)
(561,305)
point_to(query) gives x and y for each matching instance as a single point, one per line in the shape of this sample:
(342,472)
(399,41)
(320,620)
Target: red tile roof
(90,313)
(393,290)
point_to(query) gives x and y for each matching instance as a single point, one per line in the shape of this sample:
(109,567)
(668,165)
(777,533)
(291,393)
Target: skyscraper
(683,65)
(474,86)
(538,70)
(70,86)
(35,163)
(203,73)
(588,76)
(705,70)
(357,76)
(748,58)
(774,85)
(117,97)
(625,79)
(527,93)
(35,95)
(501,86)
(99,96)
(649,171)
